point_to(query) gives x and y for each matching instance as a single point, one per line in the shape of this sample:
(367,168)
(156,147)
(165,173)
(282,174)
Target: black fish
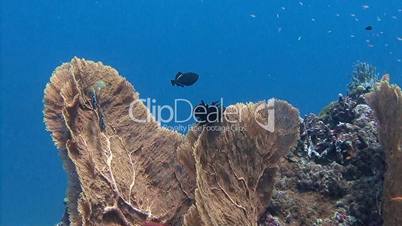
(209,114)
(185,79)
(369,28)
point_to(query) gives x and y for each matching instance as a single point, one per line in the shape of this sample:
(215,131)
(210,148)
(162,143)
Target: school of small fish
(371,32)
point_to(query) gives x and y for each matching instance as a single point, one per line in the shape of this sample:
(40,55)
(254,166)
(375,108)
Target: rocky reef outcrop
(124,172)
(346,167)
(335,174)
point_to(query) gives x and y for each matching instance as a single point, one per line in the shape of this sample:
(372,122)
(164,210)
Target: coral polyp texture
(123,172)
(386,101)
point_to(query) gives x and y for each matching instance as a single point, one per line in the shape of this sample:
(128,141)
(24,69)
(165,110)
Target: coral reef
(335,174)
(339,168)
(123,172)
(386,101)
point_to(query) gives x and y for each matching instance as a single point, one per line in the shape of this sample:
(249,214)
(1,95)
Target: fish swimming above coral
(185,79)
(206,114)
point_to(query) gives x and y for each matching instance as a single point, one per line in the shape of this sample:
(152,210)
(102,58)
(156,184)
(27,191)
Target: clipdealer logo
(264,113)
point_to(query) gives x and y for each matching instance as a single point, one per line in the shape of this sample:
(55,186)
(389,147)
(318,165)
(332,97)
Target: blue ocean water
(300,51)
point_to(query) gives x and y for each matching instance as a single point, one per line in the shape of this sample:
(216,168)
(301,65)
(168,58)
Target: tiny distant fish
(185,79)
(369,28)
(397,199)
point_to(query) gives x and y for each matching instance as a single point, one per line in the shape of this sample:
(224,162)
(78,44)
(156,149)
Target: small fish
(369,28)
(102,124)
(94,99)
(185,79)
(397,199)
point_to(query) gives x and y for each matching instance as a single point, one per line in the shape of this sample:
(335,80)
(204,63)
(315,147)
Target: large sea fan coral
(235,169)
(123,172)
(386,101)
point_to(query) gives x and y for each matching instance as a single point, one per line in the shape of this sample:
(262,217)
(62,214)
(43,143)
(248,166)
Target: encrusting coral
(386,101)
(123,172)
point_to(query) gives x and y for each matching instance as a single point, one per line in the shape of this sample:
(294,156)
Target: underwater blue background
(243,50)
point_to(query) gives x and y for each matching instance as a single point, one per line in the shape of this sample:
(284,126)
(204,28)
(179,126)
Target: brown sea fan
(122,172)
